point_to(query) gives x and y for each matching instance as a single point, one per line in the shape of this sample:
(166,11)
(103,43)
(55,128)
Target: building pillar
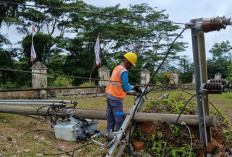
(193,79)
(174,78)
(39,75)
(144,77)
(218,76)
(104,76)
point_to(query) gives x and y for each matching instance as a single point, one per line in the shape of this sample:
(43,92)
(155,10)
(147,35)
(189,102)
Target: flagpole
(94,66)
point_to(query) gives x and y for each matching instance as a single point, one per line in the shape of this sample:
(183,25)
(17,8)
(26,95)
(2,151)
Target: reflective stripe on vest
(120,70)
(114,86)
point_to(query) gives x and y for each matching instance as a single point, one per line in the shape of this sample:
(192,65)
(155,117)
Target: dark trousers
(114,114)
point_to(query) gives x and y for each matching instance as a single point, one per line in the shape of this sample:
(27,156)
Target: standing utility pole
(200,68)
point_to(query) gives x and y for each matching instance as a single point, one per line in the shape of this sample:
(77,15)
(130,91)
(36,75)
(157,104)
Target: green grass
(15,141)
(223,102)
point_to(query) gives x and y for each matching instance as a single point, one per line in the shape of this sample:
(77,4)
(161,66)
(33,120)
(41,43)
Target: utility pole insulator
(215,24)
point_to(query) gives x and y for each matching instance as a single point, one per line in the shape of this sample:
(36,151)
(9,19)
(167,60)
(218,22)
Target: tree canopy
(67,32)
(221,59)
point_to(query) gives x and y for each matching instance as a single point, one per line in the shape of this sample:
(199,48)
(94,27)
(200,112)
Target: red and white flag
(97,51)
(33,30)
(33,54)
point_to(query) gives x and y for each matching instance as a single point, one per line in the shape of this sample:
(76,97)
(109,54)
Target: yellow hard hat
(131,57)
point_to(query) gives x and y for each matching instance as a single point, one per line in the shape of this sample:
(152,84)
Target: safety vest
(115,88)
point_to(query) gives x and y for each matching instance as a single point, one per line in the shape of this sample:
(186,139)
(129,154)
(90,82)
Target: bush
(159,78)
(62,82)
(87,84)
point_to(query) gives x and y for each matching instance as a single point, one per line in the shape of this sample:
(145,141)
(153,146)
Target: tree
(221,59)
(221,49)
(186,70)
(139,28)
(8,14)
(8,11)
(230,72)
(6,61)
(79,61)
(219,65)
(146,31)
(43,46)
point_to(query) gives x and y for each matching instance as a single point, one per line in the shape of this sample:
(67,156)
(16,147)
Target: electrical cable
(37,130)
(217,110)
(59,75)
(72,151)
(83,12)
(155,71)
(165,150)
(87,12)
(153,75)
(191,144)
(153,89)
(52,114)
(209,103)
(186,125)
(36,118)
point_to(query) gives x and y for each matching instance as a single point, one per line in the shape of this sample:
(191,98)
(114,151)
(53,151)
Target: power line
(168,138)
(71,151)
(89,13)
(153,75)
(58,75)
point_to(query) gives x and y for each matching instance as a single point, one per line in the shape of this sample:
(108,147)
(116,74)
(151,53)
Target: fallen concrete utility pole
(101,115)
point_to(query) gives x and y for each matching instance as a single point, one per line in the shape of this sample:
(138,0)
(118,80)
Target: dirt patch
(147,128)
(138,145)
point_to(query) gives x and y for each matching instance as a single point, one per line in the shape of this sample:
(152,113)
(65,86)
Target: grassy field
(19,138)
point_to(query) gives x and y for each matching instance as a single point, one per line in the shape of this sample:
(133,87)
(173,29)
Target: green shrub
(62,82)
(8,85)
(173,104)
(87,84)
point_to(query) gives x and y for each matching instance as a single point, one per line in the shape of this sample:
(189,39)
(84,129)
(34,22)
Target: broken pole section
(101,115)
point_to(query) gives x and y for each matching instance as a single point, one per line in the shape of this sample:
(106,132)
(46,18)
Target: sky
(183,11)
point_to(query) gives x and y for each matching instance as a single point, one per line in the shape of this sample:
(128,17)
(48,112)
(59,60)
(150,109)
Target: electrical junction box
(75,129)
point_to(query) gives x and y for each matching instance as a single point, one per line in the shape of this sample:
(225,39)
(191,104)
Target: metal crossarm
(122,146)
(123,128)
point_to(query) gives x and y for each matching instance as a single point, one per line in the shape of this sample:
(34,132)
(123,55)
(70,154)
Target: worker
(116,92)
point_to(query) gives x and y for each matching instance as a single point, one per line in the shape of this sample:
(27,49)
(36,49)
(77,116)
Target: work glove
(137,90)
